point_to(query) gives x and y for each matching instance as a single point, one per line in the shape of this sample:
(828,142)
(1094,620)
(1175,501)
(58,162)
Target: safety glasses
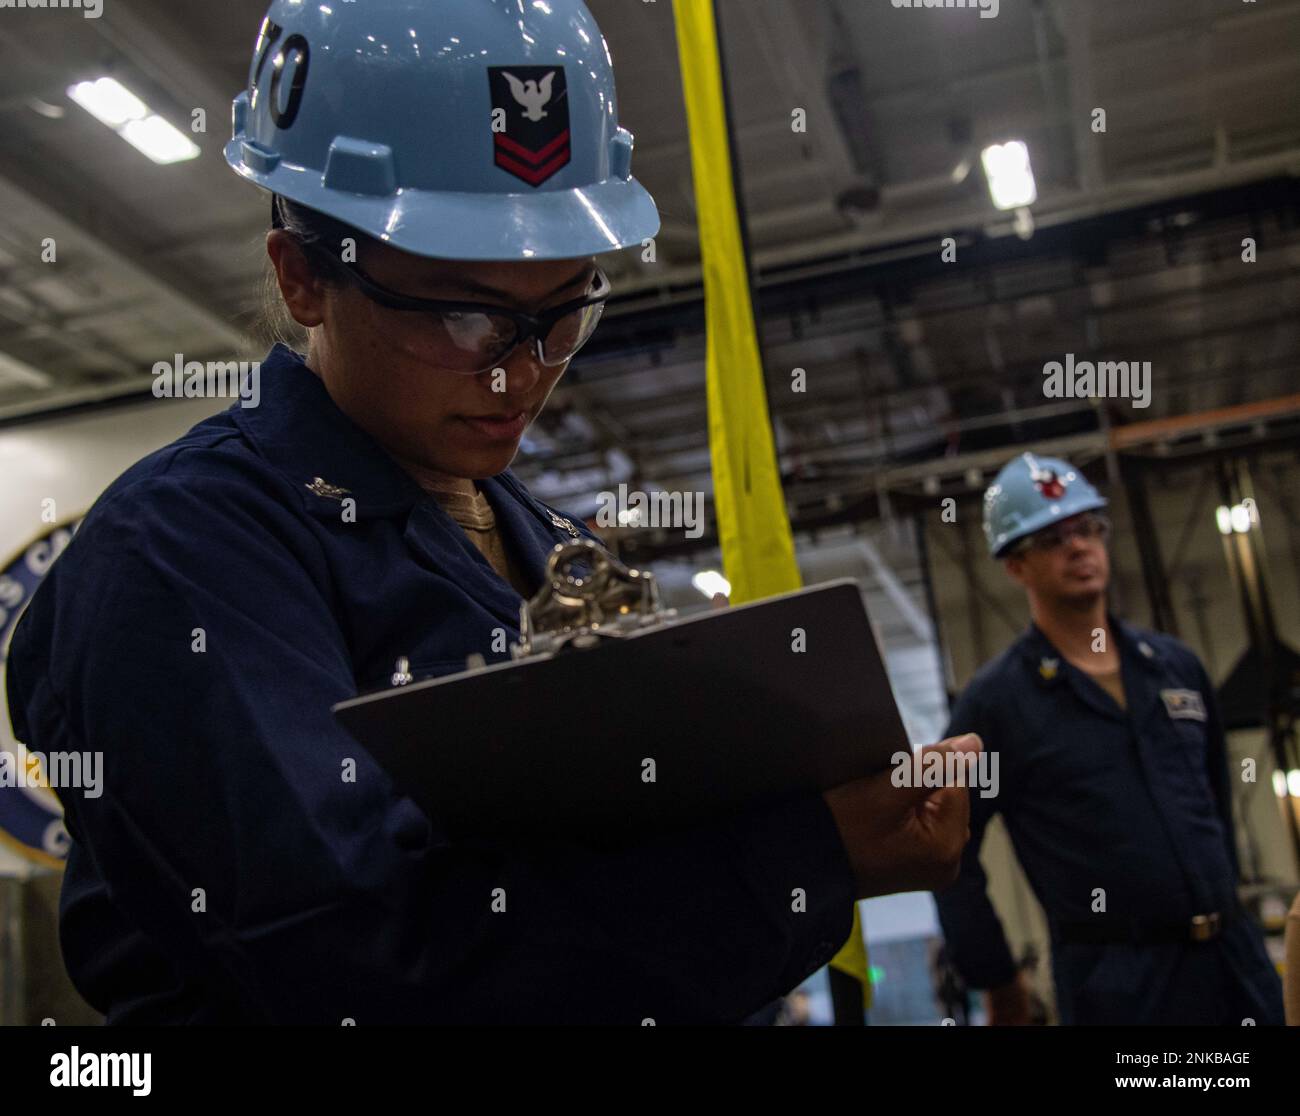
(473,337)
(1086,526)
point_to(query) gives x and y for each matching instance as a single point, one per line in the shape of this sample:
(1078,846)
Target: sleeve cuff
(797,846)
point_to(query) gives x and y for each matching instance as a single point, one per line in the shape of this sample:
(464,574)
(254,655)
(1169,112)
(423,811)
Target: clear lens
(470,341)
(570,333)
(459,341)
(1087,526)
(471,332)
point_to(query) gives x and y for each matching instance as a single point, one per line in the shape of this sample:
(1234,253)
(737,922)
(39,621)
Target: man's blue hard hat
(460,129)
(1031,493)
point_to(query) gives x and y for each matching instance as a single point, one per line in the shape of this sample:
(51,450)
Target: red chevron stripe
(529,174)
(527,153)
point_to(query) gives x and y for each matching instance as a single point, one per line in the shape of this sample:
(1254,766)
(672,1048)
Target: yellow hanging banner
(753,526)
(754,530)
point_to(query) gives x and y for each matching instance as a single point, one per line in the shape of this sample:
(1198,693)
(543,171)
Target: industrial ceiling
(1135,250)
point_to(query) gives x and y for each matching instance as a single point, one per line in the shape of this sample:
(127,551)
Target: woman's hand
(903,838)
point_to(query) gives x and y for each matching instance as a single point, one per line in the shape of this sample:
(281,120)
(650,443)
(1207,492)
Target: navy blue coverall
(1135,802)
(229,873)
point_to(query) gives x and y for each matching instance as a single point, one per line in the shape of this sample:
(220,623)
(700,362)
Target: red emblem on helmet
(1047,482)
(1051,487)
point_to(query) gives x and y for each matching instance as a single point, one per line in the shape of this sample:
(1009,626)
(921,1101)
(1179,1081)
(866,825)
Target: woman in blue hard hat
(445,175)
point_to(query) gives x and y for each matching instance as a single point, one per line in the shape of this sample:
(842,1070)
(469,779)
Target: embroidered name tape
(1183,705)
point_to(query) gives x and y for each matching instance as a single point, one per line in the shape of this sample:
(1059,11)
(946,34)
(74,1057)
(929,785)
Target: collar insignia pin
(319,487)
(564,524)
(1145,648)
(1048,668)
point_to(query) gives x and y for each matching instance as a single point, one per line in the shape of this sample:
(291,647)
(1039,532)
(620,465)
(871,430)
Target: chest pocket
(1191,742)
(1183,727)
(1185,714)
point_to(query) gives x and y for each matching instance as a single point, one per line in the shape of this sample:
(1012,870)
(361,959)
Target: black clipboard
(731,715)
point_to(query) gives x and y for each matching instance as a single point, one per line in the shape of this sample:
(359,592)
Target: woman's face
(378,369)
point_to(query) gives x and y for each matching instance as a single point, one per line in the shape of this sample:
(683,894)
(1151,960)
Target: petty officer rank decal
(530,120)
(1184,705)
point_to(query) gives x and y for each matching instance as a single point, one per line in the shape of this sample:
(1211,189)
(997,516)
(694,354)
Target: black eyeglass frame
(1049,538)
(527,326)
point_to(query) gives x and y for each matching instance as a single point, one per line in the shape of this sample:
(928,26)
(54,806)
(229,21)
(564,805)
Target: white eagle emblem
(531,94)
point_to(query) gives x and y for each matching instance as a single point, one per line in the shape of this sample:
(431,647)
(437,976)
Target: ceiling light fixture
(1009,175)
(115,106)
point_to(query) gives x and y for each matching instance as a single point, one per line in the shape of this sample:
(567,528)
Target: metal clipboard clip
(588,596)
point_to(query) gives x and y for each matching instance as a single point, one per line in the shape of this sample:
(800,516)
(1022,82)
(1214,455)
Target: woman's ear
(300,287)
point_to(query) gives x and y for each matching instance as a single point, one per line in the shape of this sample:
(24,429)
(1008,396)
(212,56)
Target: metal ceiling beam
(792,56)
(161,48)
(1083,99)
(1056,208)
(913,615)
(155,45)
(967,86)
(66,213)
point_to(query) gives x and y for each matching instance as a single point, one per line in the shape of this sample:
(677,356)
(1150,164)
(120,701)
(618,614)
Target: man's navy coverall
(1127,807)
(213,605)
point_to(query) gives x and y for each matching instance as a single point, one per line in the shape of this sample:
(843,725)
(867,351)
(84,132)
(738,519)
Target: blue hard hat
(460,129)
(1031,493)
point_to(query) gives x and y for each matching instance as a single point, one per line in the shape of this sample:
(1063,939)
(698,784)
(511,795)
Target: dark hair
(322,239)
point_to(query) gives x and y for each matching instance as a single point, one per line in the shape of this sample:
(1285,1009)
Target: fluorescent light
(1009,175)
(112,104)
(1279,783)
(1237,519)
(1293,782)
(711,583)
(109,101)
(162,142)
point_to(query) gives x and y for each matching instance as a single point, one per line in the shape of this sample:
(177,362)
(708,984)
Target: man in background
(1115,791)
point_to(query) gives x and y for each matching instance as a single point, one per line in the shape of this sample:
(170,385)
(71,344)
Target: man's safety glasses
(473,337)
(1086,526)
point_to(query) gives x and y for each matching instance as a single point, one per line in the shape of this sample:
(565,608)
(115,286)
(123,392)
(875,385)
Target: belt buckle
(1206,926)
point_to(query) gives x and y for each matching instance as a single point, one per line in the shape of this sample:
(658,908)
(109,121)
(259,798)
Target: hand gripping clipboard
(606,690)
